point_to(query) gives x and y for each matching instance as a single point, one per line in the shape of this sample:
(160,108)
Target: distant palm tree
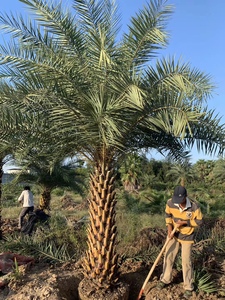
(219,172)
(182,173)
(49,172)
(105,99)
(203,169)
(131,171)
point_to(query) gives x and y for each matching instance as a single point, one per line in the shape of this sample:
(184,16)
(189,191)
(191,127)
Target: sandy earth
(39,281)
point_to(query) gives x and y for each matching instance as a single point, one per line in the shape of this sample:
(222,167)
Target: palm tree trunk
(182,181)
(101,259)
(45,200)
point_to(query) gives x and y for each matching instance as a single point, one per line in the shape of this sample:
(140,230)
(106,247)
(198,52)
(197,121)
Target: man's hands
(179,223)
(170,229)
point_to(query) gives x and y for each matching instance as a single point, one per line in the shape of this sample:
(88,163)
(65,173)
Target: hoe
(154,265)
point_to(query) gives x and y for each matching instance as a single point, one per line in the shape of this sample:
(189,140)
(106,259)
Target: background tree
(10,125)
(182,172)
(48,172)
(131,171)
(219,173)
(204,169)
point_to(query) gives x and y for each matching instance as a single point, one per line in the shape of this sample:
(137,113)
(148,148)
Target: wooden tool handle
(155,263)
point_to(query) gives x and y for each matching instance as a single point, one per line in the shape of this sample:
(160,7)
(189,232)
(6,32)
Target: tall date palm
(106,95)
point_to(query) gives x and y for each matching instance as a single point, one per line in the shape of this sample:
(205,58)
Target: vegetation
(51,174)
(84,90)
(64,239)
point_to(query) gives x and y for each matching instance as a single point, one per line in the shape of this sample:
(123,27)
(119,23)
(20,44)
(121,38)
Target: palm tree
(218,173)
(104,98)
(10,133)
(49,171)
(131,171)
(204,170)
(182,172)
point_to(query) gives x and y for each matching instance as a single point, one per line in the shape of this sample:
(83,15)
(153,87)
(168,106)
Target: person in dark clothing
(38,215)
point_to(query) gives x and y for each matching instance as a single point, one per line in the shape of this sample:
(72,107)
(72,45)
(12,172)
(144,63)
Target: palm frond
(203,282)
(59,21)
(180,77)
(207,134)
(100,25)
(146,33)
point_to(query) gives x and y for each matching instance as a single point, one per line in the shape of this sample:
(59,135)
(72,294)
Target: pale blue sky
(197,35)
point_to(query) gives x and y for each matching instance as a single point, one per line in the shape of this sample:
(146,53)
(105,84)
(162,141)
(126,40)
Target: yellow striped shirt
(192,214)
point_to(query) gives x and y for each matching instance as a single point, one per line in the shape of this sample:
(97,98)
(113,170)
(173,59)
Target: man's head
(26,188)
(179,195)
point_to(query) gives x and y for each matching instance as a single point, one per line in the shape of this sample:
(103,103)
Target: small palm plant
(204,282)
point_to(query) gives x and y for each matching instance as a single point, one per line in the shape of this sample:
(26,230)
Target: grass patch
(11,212)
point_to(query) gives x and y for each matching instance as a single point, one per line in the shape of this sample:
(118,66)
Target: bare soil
(40,281)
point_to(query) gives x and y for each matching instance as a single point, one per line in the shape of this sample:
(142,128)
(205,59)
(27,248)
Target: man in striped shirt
(186,216)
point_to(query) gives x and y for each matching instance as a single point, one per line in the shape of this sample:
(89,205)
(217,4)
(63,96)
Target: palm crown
(100,85)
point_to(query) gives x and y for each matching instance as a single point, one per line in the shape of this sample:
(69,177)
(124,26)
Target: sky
(197,36)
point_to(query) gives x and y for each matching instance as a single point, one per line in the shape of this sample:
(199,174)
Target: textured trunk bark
(101,259)
(45,200)
(182,181)
(130,187)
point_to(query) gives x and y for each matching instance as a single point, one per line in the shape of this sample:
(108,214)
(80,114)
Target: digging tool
(155,263)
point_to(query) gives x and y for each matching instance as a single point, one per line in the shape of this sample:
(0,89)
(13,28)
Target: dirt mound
(149,237)
(9,226)
(68,203)
(60,282)
(42,282)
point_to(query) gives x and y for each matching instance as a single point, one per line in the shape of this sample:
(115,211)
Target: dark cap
(179,193)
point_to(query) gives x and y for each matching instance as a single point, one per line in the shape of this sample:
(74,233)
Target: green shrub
(58,192)
(203,282)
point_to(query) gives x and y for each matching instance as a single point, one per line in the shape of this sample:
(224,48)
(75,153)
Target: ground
(38,281)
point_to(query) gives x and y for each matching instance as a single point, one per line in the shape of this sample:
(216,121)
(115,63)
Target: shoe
(161,285)
(187,294)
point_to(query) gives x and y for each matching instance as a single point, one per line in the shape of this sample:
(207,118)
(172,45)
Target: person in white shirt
(27,200)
